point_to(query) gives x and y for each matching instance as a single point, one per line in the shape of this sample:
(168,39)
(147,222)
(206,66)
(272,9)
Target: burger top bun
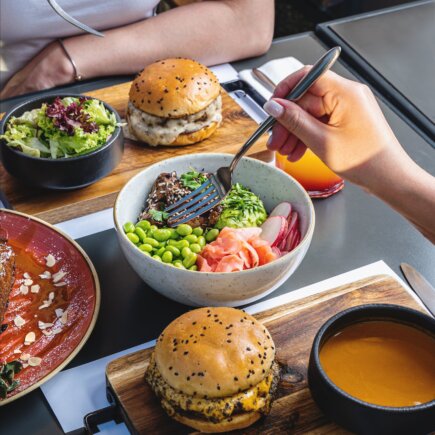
(173,88)
(214,352)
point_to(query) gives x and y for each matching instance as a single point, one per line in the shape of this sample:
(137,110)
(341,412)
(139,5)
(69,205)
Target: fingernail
(273,108)
(269,141)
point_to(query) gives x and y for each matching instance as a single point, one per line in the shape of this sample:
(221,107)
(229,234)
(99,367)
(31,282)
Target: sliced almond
(35,288)
(25,365)
(58,276)
(19,321)
(58,312)
(29,338)
(60,284)
(43,325)
(64,318)
(50,261)
(45,275)
(26,275)
(44,305)
(34,361)
(51,296)
(24,289)
(28,282)
(24,357)
(17,351)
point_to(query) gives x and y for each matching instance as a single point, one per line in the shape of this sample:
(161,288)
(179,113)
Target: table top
(352,229)
(395,47)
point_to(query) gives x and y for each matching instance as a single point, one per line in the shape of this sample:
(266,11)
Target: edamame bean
(141,233)
(146,247)
(179,264)
(190,260)
(174,235)
(160,251)
(184,230)
(129,227)
(146,253)
(201,241)
(198,231)
(212,235)
(153,228)
(182,244)
(153,242)
(156,257)
(194,267)
(191,238)
(167,257)
(162,235)
(133,237)
(185,252)
(172,242)
(145,225)
(175,251)
(195,247)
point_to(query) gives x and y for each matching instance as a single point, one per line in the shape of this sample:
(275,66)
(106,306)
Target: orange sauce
(382,362)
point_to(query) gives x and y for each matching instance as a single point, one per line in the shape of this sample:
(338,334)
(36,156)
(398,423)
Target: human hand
(49,68)
(341,121)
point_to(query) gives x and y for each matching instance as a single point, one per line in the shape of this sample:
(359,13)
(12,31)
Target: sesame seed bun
(214,352)
(174,88)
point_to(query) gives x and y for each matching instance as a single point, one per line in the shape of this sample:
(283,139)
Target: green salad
(68,127)
(241,208)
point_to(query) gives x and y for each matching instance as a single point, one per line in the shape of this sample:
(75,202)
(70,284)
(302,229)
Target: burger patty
(166,130)
(256,399)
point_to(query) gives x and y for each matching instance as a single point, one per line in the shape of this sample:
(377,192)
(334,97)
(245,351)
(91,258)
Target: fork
(214,190)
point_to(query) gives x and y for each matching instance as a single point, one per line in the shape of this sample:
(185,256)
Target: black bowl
(64,173)
(354,414)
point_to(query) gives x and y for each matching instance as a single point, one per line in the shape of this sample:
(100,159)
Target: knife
(424,290)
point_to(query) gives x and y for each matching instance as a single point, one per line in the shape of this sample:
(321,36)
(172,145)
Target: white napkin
(268,75)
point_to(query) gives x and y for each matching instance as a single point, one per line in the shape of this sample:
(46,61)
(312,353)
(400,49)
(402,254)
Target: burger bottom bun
(239,421)
(182,139)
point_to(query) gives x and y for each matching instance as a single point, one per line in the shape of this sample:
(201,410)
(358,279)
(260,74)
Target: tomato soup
(382,362)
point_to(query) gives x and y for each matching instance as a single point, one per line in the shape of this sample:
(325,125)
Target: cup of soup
(372,370)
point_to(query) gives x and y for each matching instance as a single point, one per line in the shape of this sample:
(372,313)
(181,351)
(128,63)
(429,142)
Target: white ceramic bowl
(216,289)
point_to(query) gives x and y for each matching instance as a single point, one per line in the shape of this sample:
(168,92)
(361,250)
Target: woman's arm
(341,121)
(209,31)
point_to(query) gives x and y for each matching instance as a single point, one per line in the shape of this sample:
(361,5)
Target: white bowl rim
(304,241)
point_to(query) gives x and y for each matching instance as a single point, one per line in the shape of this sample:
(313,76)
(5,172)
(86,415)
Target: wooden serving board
(293,327)
(55,207)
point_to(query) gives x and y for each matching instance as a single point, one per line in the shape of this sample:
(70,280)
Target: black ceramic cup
(64,173)
(354,414)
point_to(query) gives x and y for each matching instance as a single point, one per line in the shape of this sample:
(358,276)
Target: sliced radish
(296,241)
(276,251)
(293,220)
(289,240)
(283,253)
(274,229)
(282,209)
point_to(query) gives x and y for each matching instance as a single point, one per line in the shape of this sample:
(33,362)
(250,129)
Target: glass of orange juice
(317,179)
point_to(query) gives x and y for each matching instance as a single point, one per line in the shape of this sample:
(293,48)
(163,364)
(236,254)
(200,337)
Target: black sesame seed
(185,352)
(176,373)
(204,328)
(236,378)
(228,341)
(215,315)
(202,335)
(229,333)
(188,378)
(248,349)
(193,323)
(170,368)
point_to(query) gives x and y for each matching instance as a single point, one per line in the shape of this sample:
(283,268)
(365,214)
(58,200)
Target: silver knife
(424,290)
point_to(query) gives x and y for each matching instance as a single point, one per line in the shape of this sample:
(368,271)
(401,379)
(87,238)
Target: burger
(214,370)
(174,102)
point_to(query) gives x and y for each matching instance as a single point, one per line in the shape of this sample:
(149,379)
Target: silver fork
(214,190)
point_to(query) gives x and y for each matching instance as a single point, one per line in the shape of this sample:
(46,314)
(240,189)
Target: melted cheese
(166,130)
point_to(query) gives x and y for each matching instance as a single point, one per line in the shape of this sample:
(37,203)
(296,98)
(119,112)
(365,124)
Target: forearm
(411,191)
(211,32)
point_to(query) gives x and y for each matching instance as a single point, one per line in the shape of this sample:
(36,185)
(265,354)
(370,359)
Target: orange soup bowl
(372,370)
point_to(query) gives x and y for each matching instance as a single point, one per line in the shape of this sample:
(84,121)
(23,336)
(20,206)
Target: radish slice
(293,220)
(289,240)
(276,251)
(296,241)
(274,229)
(282,209)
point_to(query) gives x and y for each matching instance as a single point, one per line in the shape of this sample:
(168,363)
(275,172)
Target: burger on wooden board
(214,369)
(174,102)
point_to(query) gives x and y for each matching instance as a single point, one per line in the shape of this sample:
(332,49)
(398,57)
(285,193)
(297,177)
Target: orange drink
(317,179)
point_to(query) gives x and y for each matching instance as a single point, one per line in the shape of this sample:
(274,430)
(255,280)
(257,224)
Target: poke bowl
(204,283)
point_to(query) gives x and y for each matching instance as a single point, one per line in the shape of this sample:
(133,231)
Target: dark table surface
(352,230)
(396,49)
